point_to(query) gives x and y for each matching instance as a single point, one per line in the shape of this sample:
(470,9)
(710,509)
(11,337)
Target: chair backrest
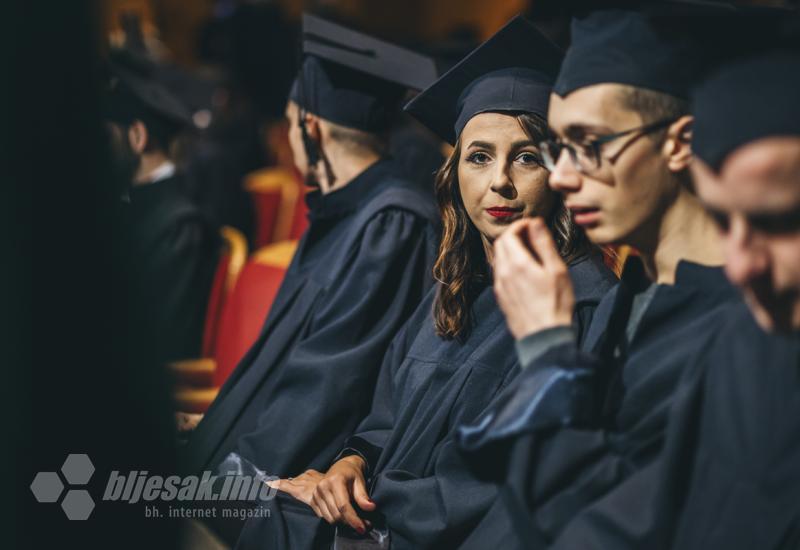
(277,194)
(229,267)
(248,306)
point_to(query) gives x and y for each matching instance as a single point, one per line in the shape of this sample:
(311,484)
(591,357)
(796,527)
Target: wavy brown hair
(461,266)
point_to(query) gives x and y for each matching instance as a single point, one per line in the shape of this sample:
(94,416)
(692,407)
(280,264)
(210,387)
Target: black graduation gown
(729,475)
(743,487)
(425,495)
(358,273)
(174,253)
(582,419)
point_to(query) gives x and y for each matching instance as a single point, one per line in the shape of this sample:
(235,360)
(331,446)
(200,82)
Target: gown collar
(340,203)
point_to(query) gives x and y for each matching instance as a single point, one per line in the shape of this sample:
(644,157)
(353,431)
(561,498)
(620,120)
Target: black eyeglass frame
(550,161)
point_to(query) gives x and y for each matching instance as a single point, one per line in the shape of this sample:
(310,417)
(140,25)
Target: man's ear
(138,136)
(678,145)
(313,127)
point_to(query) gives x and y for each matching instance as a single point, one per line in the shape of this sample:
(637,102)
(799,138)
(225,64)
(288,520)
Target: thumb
(542,243)
(360,495)
(274,483)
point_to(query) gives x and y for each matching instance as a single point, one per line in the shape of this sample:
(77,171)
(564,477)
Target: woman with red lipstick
(400,476)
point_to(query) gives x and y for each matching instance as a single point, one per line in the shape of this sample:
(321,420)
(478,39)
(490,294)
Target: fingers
(346,510)
(320,506)
(287,486)
(333,498)
(301,488)
(542,244)
(274,483)
(324,497)
(361,496)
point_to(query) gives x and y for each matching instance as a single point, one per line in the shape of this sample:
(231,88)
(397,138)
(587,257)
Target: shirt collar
(163,171)
(687,273)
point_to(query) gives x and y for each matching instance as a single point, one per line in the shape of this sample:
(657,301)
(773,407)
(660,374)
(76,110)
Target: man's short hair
(653,106)
(359,141)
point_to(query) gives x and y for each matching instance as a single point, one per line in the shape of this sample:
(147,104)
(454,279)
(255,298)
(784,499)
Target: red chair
(244,313)
(229,268)
(249,305)
(199,372)
(277,195)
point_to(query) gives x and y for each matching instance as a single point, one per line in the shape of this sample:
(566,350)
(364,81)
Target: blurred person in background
(176,245)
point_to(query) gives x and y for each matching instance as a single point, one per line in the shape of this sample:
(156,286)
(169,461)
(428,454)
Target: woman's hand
(531,281)
(186,422)
(301,487)
(342,485)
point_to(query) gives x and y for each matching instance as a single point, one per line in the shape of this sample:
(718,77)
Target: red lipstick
(503,211)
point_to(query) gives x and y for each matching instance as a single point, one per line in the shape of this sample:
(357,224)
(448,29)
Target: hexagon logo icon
(47,487)
(77,469)
(78,504)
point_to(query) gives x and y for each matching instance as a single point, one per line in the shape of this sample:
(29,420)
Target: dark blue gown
(426,497)
(359,272)
(729,475)
(583,418)
(176,249)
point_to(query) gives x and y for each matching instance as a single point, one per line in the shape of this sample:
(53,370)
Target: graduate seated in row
(359,271)
(587,414)
(173,247)
(399,478)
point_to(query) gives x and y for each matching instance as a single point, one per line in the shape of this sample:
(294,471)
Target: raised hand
(531,281)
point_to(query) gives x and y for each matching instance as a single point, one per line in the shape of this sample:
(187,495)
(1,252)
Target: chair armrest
(198,373)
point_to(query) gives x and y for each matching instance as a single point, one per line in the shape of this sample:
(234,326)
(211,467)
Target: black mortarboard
(512,71)
(746,101)
(134,91)
(661,46)
(353,79)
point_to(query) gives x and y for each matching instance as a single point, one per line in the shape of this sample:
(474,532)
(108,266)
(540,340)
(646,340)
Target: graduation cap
(512,71)
(134,91)
(745,101)
(658,45)
(355,80)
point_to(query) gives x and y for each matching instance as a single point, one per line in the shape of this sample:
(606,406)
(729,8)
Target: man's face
(296,138)
(756,200)
(621,201)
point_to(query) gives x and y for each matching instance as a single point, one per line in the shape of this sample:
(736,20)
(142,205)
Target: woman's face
(500,175)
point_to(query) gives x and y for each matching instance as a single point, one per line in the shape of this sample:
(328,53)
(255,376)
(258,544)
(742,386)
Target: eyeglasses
(586,157)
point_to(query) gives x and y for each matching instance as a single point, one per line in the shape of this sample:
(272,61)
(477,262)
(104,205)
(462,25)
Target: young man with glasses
(586,414)
(729,474)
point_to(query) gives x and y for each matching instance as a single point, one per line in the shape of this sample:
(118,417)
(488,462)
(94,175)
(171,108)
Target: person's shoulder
(591,278)
(399,194)
(752,387)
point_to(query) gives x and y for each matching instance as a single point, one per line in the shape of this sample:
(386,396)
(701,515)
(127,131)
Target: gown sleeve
(438,509)
(333,370)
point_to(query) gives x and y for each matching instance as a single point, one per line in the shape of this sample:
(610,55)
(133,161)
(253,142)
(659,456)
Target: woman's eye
(529,158)
(478,158)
